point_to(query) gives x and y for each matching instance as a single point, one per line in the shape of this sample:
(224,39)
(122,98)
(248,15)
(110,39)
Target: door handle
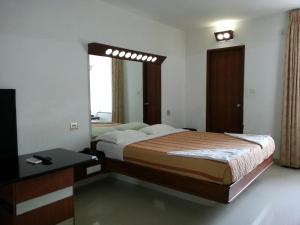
(238,105)
(146,103)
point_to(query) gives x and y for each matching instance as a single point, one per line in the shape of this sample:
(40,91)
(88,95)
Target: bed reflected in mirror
(125,89)
(116,92)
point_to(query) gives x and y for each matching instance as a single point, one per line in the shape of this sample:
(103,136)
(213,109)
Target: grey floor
(273,199)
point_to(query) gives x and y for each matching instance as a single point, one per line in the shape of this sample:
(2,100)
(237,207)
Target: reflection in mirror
(133,91)
(116,91)
(101,88)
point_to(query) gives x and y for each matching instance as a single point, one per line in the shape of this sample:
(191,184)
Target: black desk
(40,194)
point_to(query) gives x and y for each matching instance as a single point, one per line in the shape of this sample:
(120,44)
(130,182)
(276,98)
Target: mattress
(116,151)
(154,153)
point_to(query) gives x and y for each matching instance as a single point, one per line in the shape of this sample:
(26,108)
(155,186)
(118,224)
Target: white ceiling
(190,14)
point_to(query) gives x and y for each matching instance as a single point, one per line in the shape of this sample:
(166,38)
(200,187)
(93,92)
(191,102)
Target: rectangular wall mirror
(125,87)
(116,91)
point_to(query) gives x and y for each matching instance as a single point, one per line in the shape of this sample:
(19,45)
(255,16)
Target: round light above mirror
(122,53)
(154,59)
(115,52)
(133,56)
(139,57)
(149,58)
(108,51)
(128,54)
(144,57)
(220,36)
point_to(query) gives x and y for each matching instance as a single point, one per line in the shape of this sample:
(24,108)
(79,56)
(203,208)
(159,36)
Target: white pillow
(157,129)
(126,136)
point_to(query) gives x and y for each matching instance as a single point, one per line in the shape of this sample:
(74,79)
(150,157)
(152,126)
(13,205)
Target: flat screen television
(8,134)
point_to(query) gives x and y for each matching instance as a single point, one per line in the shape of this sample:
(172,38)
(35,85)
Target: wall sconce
(224,35)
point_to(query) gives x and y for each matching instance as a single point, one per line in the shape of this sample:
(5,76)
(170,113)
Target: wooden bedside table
(40,194)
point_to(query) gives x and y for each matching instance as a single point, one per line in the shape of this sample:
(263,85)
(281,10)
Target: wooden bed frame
(201,188)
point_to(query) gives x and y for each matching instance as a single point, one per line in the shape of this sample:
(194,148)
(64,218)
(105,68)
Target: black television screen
(8,132)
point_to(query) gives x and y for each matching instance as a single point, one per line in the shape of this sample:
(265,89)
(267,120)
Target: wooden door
(225,89)
(152,93)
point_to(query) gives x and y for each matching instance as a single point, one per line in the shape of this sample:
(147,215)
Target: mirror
(116,91)
(125,86)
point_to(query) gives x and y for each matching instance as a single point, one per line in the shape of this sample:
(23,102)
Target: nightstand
(41,194)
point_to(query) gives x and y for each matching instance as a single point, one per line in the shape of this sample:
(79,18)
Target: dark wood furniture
(205,189)
(100,49)
(225,89)
(152,93)
(94,145)
(8,131)
(151,78)
(41,194)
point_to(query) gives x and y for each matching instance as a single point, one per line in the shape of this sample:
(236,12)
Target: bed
(175,158)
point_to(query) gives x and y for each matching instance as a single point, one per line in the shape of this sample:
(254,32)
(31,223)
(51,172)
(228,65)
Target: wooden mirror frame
(151,79)
(100,49)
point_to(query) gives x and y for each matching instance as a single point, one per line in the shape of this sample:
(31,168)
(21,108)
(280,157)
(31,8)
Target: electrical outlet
(73,125)
(168,112)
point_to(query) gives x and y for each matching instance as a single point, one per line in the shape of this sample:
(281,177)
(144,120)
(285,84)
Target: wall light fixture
(224,35)
(123,53)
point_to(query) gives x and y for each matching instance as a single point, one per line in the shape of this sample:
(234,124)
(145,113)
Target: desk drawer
(35,187)
(44,215)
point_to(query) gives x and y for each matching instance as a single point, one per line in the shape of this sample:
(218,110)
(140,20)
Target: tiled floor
(273,199)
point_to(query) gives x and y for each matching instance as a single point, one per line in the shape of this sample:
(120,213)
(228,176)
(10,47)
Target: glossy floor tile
(273,199)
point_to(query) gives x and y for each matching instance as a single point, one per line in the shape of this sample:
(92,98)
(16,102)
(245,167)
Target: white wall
(133,91)
(264,55)
(44,56)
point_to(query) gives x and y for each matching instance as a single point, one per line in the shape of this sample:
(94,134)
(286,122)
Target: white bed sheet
(111,150)
(115,151)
